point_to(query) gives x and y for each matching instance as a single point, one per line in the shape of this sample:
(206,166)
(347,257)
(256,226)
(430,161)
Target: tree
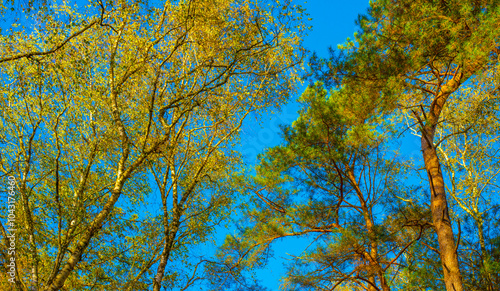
(144,91)
(469,150)
(327,183)
(414,56)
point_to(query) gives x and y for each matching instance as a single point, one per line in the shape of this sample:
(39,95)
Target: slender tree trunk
(170,230)
(165,255)
(440,215)
(484,253)
(383,282)
(31,239)
(480,232)
(370,226)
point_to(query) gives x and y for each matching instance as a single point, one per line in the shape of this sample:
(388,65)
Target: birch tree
(97,104)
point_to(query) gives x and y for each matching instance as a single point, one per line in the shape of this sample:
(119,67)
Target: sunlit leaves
(103,100)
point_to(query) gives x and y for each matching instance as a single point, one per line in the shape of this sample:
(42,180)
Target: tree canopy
(121,124)
(120,129)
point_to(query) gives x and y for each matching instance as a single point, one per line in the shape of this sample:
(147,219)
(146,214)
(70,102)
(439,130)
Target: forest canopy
(121,129)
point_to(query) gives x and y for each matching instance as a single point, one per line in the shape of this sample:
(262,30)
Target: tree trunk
(440,215)
(372,257)
(484,253)
(165,255)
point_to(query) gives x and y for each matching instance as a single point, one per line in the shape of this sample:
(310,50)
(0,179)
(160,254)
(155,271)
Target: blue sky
(332,22)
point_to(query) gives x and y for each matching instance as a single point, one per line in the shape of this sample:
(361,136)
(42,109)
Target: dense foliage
(121,120)
(425,67)
(120,131)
